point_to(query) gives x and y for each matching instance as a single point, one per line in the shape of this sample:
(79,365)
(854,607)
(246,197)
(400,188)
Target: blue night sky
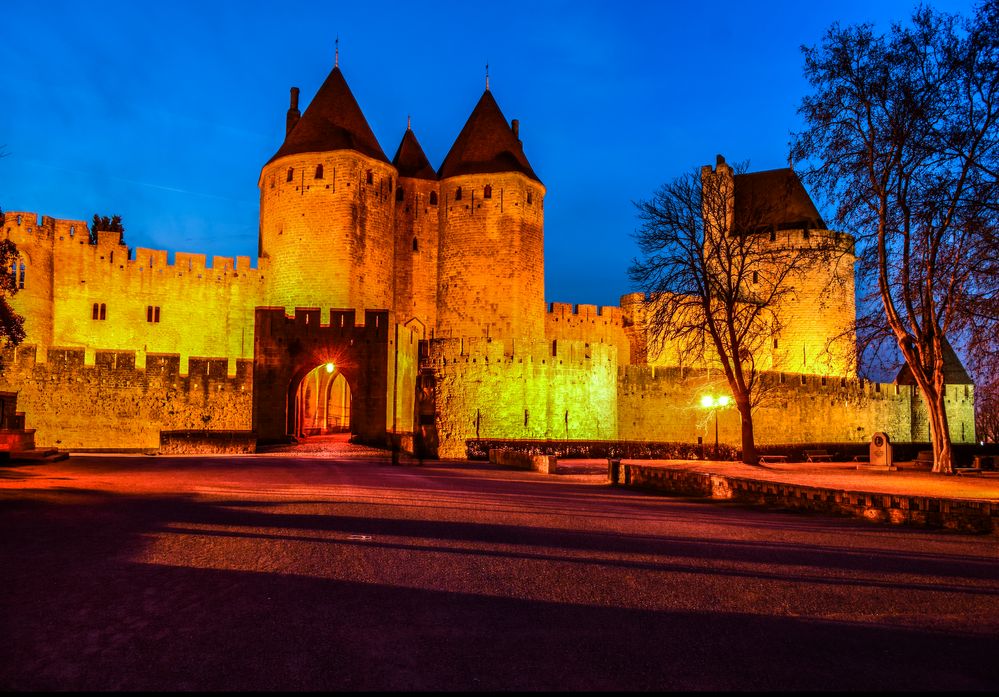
(164,113)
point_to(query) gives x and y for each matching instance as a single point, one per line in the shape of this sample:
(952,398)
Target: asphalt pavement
(330,572)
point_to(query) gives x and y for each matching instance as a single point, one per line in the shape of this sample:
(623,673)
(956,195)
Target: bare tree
(902,130)
(716,282)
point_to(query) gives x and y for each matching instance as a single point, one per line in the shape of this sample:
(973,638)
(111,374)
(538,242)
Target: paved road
(295,572)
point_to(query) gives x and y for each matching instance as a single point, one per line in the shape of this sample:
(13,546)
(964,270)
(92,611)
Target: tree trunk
(749,454)
(943,452)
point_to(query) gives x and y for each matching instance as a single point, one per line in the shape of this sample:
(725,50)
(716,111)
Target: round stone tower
(817,334)
(417,220)
(326,208)
(491,277)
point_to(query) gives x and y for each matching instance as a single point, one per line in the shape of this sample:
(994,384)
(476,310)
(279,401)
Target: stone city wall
(494,389)
(144,304)
(115,405)
(664,404)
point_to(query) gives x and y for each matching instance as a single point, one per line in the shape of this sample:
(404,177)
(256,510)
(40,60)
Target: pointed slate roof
(333,121)
(486,144)
(954,372)
(410,160)
(774,198)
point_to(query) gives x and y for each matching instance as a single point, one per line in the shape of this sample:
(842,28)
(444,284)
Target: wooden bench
(817,456)
(773,458)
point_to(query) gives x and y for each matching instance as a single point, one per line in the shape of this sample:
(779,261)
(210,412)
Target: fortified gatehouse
(398,301)
(310,377)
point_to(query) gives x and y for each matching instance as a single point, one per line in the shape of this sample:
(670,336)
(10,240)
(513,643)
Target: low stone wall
(208,442)
(545,464)
(920,511)
(12,440)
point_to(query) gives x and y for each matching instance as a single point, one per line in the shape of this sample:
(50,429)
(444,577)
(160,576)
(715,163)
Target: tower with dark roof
(491,263)
(817,319)
(327,208)
(417,222)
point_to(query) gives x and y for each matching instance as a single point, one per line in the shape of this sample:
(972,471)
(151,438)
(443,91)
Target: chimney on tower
(293,113)
(515,125)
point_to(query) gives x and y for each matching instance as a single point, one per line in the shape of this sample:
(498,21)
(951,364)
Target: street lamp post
(709,402)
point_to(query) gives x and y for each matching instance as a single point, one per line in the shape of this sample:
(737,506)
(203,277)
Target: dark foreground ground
(305,573)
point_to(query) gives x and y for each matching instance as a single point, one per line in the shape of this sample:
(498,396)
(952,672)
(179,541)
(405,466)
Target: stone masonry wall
(202,310)
(491,271)
(115,405)
(589,324)
(663,404)
(417,222)
(330,239)
(549,390)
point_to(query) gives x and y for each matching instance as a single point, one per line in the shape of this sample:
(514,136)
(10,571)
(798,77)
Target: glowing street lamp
(330,367)
(709,402)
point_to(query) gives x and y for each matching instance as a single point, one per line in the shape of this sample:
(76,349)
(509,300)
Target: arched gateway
(310,377)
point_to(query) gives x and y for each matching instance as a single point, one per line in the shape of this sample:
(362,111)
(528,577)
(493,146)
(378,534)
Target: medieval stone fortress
(393,298)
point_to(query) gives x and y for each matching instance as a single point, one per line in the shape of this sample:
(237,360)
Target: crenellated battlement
(568,312)
(341,322)
(482,350)
(127,364)
(66,236)
(646,377)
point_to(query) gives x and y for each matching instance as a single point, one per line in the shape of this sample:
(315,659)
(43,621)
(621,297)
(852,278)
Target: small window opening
(457,194)
(804,233)
(291,174)
(72,230)
(433,198)
(487,192)
(530,198)
(18,220)
(399,194)
(756,277)
(369,177)
(773,234)
(803,379)
(775,343)
(823,380)
(152,313)
(97,309)
(416,246)
(319,171)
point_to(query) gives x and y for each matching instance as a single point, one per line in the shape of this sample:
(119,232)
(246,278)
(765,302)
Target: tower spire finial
(487,77)
(336,55)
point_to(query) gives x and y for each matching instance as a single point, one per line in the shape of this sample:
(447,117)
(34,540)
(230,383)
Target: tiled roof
(773,199)
(410,159)
(333,121)
(486,144)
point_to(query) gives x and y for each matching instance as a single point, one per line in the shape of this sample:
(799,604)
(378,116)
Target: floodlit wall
(115,405)
(144,304)
(493,389)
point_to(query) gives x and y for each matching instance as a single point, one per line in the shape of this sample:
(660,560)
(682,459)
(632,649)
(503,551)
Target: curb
(969,516)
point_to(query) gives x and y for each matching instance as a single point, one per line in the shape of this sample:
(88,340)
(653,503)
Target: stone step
(43,455)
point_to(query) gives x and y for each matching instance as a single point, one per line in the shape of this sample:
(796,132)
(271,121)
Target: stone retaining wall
(545,464)
(959,515)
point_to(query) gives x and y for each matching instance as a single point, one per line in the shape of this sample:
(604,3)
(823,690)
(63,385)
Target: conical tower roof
(333,121)
(486,144)
(410,159)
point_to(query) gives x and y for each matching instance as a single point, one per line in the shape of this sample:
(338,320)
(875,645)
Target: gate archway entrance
(369,391)
(321,404)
